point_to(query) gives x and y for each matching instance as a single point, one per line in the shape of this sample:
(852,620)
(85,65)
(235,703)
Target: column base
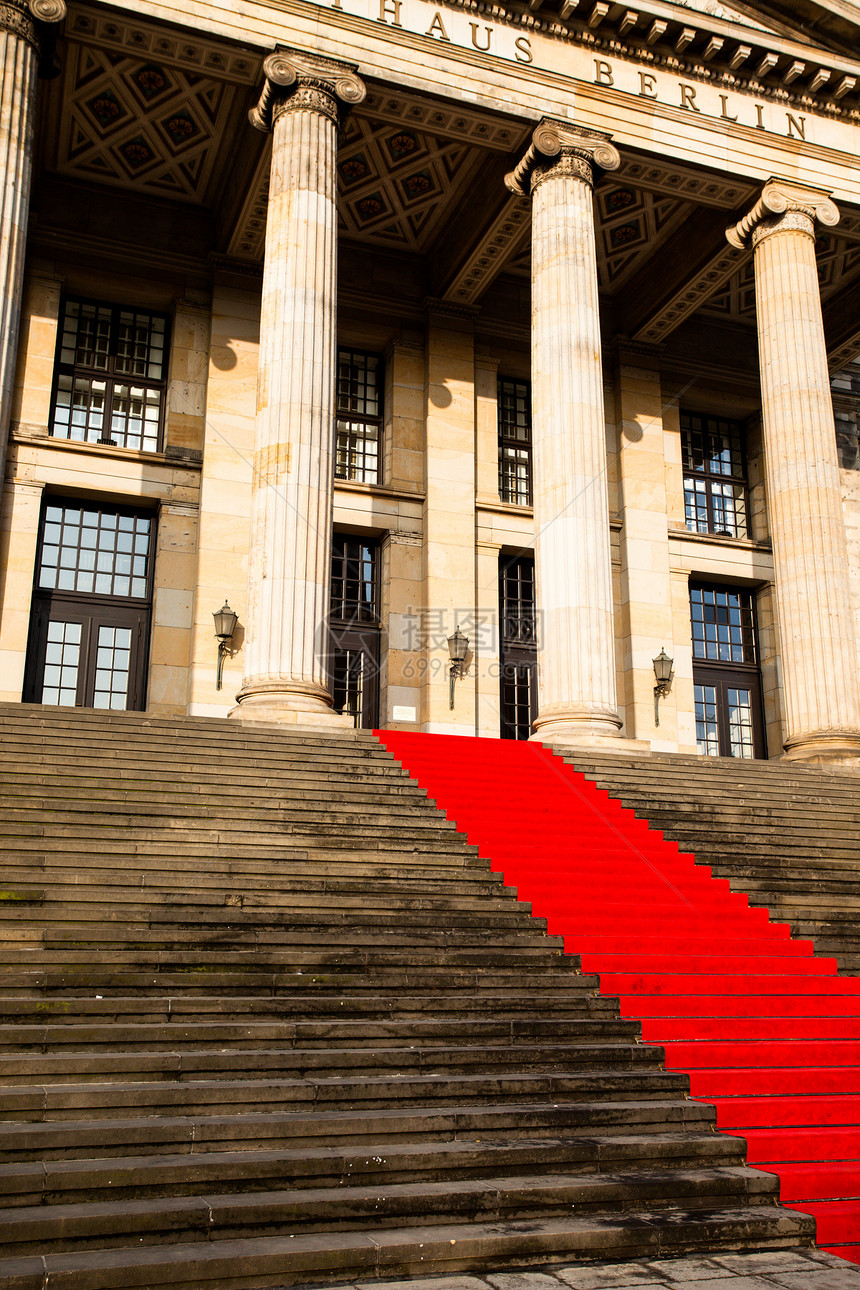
(594,732)
(579,742)
(833,750)
(296,706)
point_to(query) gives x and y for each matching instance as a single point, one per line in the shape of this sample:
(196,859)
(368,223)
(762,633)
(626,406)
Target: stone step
(382,1059)
(203,732)
(43,720)
(163,909)
(330,961)
(83,1036)
(65,1139)
(281,879)
(108,1225)
(572,1000)
(327,842)
(306,907)
(44,793)
(281,750)
(667,787)
(443,857)
(253,985)
(38,1103)
(196,935)
(249,1170)
(64,825)
(180,819)
(298,1259)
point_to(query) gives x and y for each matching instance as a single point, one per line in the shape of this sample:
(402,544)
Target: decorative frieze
(127,34)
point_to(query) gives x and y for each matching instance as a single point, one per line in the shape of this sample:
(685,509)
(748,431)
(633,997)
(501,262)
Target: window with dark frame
(518,601)
(715,486)
(723,625)
(354,592)
(87,548)
(358,433)
(515,441)
(111,375)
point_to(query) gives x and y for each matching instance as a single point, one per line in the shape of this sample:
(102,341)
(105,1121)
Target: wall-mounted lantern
(663,666)
(225,626)
(458,647)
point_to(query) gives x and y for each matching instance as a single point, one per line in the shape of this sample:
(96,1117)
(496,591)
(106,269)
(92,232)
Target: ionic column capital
(783,207)
(19,17)
(558,148)
(296,81)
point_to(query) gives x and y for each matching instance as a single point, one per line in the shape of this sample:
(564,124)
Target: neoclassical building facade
(379,319)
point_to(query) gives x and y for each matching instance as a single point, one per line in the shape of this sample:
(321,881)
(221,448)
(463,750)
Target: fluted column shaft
(19,58)
(576,649)
(817,635)
(292,486)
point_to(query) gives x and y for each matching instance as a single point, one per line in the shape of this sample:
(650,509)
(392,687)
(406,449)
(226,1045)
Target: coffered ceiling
(138,107)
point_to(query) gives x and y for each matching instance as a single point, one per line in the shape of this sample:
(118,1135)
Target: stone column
(21,24)
(576,655)
(817,636)
(292,486)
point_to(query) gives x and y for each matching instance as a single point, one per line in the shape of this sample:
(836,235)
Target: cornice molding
(436,308)
(715,56)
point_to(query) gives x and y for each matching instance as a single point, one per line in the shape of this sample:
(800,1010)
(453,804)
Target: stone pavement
(766,1270)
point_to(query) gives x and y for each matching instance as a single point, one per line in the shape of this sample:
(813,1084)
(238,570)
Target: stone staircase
(786,834)
(269,1020)
(760,1020)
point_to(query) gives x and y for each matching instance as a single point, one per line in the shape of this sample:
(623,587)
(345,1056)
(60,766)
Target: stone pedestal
(19,58)
(817,635)
(292,488)
(576,652)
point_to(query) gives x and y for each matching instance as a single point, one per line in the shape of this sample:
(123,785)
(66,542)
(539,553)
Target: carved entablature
(555,144)
(296,80)
(783,205)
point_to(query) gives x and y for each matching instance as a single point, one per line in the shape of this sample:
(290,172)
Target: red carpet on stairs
(767,1031)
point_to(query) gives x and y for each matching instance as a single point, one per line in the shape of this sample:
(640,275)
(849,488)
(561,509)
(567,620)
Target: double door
(90,613)
(519,650)
(728,712)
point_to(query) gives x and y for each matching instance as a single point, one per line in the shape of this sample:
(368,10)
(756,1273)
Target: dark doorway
(518,646)
(354,654)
